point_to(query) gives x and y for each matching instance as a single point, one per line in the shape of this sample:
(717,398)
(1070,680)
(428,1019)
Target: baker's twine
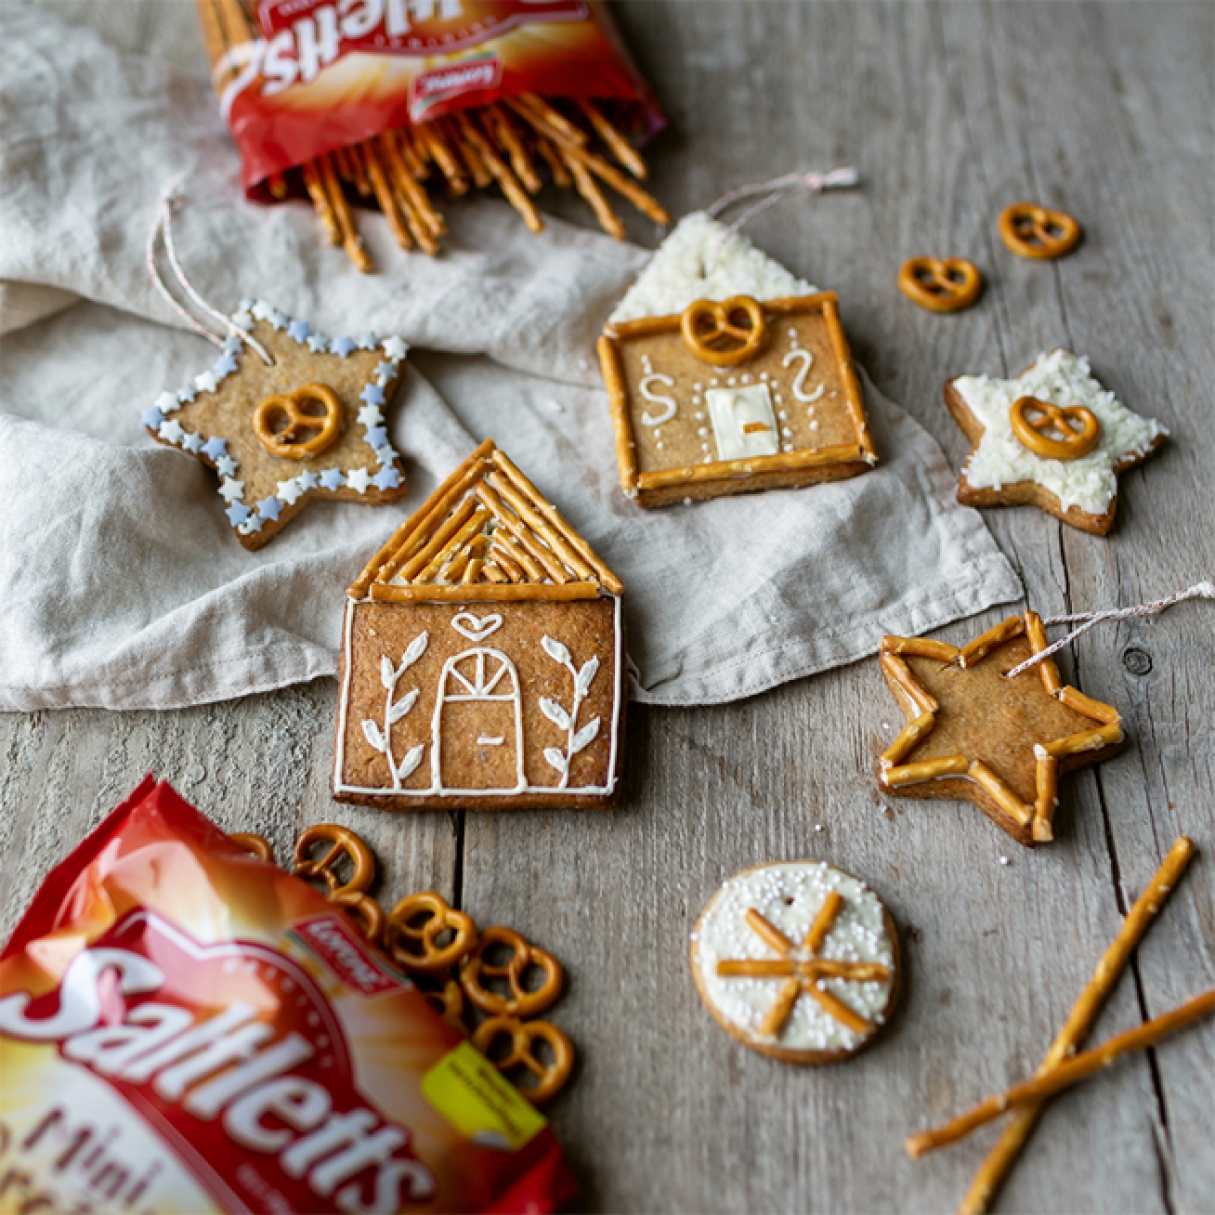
(170,201)
(772,192)
(1202,590)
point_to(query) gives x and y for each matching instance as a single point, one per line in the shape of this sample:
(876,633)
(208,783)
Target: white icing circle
(789,895)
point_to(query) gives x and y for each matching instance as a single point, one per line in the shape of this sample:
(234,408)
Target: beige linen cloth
(120,582)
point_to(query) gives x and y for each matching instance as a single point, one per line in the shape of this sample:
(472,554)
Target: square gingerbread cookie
(482,657)
(728,375)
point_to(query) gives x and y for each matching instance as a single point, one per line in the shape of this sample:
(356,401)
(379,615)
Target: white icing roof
(676,274)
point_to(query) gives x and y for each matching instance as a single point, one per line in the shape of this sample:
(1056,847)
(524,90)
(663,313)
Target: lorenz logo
(300,38)
(236,1087)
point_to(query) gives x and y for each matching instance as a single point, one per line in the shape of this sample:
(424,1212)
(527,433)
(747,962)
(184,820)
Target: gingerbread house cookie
(482,657)
(1053,438)
(797,960)
(727,374)
(287,415)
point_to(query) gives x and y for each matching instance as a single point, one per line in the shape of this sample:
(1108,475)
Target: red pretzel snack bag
(371,98)
(184,1027)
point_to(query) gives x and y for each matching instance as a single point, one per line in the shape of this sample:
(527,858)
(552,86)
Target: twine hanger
(1201,590)
(769,193)
(170,201)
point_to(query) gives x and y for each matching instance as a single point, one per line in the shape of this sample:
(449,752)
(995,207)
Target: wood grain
(950,111)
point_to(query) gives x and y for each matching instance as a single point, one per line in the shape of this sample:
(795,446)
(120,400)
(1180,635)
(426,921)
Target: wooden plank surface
(950,111)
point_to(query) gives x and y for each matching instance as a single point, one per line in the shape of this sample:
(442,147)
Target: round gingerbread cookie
(797,960)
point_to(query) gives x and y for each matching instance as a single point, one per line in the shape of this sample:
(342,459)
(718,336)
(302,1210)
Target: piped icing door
(479,718)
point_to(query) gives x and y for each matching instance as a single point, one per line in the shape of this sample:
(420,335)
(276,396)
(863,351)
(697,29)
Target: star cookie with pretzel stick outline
(1002,471)
(212,419)
(973,733)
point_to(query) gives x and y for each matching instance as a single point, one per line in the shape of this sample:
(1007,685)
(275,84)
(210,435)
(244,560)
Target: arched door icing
(478,724)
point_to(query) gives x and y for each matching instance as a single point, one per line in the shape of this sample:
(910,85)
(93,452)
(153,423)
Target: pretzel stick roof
(486,508)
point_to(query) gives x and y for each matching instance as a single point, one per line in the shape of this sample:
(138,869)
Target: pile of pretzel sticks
(505,143)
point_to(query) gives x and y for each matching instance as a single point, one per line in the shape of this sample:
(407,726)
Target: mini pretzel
(707,325)
(415,946)
(1073,444)
(1038,232)
(366,910)
(325,428)
(448,1003)
(551,1078)
(941,284)
(258,845)
(520,1002)
(343,842)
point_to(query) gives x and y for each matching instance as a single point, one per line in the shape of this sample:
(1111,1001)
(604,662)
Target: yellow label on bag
(466,1088)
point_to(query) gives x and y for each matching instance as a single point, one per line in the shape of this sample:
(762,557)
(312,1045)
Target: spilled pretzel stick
(1139,919)
(1056,1079)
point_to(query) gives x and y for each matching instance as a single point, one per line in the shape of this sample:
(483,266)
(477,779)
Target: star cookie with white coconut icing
(1053,438)
(309,425)
(797,960)
(727,374)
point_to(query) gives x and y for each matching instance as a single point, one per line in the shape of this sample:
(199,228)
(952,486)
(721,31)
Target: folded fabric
(123,585)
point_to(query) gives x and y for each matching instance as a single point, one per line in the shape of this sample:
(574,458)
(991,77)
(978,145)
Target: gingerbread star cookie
(974,733)
(308,424)
(797,960)
(1053,438)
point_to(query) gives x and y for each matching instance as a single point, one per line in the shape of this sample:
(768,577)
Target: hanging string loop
(1086,620)
(171,201)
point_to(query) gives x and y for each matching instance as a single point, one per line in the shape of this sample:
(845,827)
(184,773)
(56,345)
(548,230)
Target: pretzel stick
(647,204)
(320,201)
(359,169)
(837,1008)
(1077,1068)
(473,163)
(556,166)
(899,673)
(781,1009)
(543,562)
(515,193)
(1036,633)
(506,563)
(611,135)
(1014,626)
(453,546)
(858,972)
(424,221)
(1046,783)
(412,153)
(554,118)
(341,212)
(530,566)
(1139,919)
(906,741)
(475,547)
(1075,699)
(1086,740)
(823,921)
(757,968)
(438,541)
(384,196)
(584,183)
(929,769)
(540,526)
(430,137)
(473,570)
(512,145)
(921,647)
(767,931)
(493,573)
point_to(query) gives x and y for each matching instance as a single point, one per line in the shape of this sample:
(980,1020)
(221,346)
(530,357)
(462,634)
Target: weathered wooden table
(951,111)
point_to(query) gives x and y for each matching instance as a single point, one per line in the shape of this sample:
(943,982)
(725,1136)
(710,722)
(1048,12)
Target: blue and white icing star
(248,518)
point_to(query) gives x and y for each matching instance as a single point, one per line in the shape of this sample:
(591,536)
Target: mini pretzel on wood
(524,956)
(365,909)
(1037,232)
(448,1002)
(941,284)
(413,930)
(342,843)
(523,1035)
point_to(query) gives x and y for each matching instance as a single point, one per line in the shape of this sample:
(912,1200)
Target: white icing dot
(1004,860)
(700,417)
(731,382)
(783,415)
(747,379)
(702,431)
(697,387)
(687,502)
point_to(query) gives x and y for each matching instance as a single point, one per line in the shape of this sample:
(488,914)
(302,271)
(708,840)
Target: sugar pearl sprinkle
(790,896)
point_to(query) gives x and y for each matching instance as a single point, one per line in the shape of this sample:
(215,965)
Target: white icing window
(743,422)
